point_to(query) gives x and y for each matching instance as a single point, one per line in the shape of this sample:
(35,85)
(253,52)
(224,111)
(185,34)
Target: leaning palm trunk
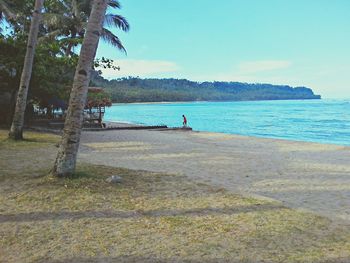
(68,149)
(16,131)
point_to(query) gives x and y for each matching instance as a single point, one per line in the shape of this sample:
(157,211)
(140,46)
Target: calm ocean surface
(324,121)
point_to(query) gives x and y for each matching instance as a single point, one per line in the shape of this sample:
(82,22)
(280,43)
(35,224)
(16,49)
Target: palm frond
(117,21)
(71,41)
(114,4)
(112,39)
(50,35)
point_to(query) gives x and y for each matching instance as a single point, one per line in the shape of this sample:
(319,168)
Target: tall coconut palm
(68,149)
(16,131)
(70,27)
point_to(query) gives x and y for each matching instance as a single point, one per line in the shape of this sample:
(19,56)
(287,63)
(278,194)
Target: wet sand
(310,176)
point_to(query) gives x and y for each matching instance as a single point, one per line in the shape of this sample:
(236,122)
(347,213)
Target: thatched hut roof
(95,90)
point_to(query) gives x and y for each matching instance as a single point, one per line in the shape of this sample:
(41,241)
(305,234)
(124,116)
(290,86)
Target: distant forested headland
(133,89)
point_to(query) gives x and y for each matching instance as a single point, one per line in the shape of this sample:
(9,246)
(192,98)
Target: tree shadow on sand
(75,215)
(127,259)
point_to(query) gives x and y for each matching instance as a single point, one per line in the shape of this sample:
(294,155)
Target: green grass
(31,140)
(149,217)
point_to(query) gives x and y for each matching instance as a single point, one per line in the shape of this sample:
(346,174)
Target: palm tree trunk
(16,131)
(70,46)
(67,153)
(69,50)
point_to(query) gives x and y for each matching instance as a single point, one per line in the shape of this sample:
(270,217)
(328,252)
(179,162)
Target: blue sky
(294,42)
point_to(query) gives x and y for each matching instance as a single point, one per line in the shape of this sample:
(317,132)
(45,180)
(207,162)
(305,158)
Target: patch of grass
(149,217)
(25,158)
(31,140)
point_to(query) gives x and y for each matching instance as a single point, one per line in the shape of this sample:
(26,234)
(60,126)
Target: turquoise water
(324,121)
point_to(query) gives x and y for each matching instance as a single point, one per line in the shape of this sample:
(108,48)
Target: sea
(322,121)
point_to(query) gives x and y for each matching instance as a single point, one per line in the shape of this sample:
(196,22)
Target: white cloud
(261,71)
(250,67)
(141,68)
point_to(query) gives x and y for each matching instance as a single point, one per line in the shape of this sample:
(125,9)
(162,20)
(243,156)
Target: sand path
(302,175)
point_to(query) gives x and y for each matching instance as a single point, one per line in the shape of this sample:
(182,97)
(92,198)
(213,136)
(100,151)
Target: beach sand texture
(310,176)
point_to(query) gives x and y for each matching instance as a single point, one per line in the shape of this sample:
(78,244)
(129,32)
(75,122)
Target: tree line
(133,89)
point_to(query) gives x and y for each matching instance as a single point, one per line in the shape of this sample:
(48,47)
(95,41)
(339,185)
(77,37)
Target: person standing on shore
(185,121)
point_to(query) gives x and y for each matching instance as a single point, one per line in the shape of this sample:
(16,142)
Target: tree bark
(16,131)
(68,150)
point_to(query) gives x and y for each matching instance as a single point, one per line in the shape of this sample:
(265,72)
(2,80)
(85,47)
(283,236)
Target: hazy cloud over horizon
(141,68)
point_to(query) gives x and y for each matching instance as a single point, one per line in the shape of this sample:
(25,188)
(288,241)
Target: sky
(289,42)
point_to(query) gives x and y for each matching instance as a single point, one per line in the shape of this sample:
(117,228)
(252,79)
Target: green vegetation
(31,140)
(149,217)
(70,29)
(62,31)
(150,90)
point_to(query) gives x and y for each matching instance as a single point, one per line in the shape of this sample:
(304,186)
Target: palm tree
(70,27)
(67,154)
(16,131)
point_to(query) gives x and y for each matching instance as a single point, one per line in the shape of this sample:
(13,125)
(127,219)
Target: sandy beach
(307,176)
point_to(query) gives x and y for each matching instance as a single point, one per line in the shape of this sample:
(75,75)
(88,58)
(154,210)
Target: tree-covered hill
(151,90)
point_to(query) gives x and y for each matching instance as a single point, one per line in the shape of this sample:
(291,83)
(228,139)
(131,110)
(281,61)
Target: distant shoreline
(134,89)
(199,101)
